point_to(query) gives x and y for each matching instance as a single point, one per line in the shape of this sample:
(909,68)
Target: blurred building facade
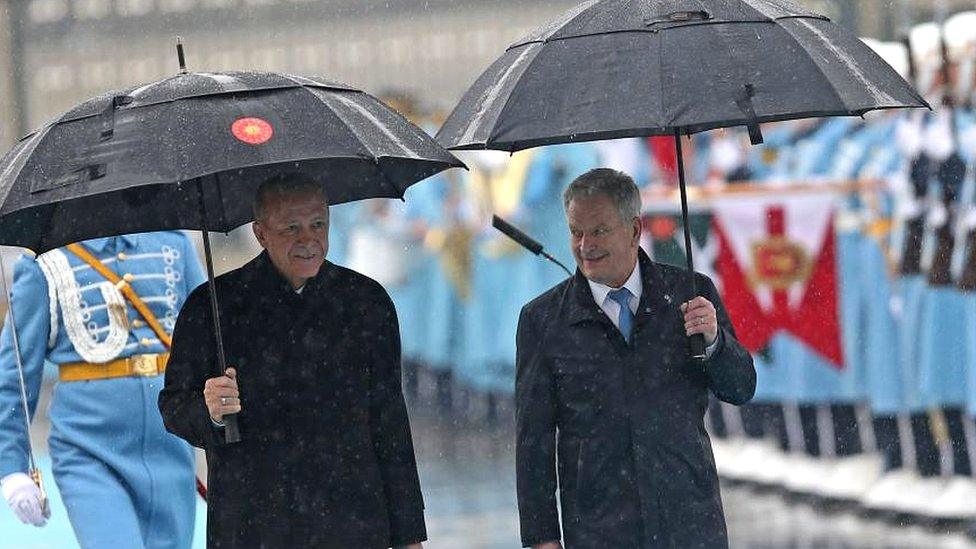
(75,49)
(55,53)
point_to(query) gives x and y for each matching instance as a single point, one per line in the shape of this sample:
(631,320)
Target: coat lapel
(656,294)
(581,307)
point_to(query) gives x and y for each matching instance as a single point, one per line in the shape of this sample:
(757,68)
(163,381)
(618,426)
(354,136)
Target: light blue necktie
(625,320)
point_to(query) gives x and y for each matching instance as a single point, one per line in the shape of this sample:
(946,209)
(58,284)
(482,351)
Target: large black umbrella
(156,156)
(622,68)
(188,152)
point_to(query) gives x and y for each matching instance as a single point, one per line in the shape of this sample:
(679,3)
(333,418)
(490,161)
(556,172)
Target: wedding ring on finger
(224,401)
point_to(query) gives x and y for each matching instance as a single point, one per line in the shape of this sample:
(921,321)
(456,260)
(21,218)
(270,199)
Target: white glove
(24,498)
(938,215)
(937,138)
(908,136)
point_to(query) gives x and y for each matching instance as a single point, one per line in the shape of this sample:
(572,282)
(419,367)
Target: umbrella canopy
(146,157)
(621,68)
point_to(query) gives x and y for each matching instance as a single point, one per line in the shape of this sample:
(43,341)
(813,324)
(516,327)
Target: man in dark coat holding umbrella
(607,396)
(326,458)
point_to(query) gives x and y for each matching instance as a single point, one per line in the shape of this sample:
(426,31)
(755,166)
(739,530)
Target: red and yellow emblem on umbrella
(252,130)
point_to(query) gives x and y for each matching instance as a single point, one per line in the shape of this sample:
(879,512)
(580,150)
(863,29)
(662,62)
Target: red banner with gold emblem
(777,267)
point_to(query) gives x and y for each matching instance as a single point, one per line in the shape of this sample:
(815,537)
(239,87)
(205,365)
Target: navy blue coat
(623,424)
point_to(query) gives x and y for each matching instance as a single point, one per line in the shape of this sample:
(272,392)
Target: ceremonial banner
(778,272)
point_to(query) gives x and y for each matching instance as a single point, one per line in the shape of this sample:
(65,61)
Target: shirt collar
(633,283)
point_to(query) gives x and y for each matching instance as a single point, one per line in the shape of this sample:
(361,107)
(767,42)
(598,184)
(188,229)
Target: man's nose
(585,243)
(306,234)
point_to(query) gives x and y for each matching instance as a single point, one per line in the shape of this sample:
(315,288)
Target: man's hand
(221,395)
(24,498)
(700,318)
(548,545)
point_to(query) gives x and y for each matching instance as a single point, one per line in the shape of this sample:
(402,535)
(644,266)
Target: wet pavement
(467,472)
(468,476)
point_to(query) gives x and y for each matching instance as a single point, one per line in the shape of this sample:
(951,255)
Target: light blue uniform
(124,480)
(970,345)
(942,336)
(540,214)
(886,385)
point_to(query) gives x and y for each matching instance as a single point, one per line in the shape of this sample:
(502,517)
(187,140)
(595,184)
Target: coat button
(122,256)
(128,277)
(138,323)
(145,342)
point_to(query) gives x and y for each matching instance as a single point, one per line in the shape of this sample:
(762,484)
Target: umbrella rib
(213,94)
(663,29)
(833,86)
(27,149)
(377,123)
(496,90)
(397,192)
(877,94)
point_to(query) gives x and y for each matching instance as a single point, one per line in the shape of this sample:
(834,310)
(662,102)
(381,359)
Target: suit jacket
(326,457)
(622,424)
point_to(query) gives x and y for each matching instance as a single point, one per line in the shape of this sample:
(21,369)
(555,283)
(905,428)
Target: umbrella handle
(696,346)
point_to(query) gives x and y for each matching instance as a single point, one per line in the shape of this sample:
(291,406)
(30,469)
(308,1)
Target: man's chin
(308,269)
(594,276)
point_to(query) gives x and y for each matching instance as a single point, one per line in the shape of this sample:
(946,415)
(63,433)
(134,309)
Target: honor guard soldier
(102,311)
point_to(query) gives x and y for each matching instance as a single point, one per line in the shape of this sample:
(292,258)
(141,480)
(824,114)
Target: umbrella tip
(179,54)
(755,134)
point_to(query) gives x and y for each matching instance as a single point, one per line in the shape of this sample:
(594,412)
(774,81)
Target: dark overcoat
(622,424)
(326,458)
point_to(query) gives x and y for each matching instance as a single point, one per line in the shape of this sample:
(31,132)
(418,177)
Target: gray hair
(614,184)
(284,184)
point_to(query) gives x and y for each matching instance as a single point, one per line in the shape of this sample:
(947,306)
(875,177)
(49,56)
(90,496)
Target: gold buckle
(144,365)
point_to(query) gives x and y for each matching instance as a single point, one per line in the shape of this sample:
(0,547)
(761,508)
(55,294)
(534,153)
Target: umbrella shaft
(221,359)
(684,211)
(231,432)
(208,253)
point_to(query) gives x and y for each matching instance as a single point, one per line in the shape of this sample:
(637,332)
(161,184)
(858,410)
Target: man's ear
(258,232)
(638,227)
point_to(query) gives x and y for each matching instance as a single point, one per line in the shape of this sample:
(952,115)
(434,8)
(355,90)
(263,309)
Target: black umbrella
(147,158)
(622,68)
(187,152)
